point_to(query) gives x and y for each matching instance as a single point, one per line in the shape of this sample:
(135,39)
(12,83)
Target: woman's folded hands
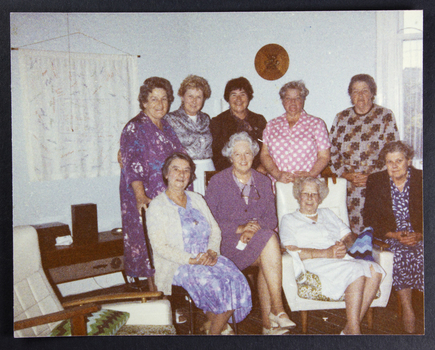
(248,230)
(208,258)
(336,251)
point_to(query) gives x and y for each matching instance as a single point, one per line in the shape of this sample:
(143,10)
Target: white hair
(227,151)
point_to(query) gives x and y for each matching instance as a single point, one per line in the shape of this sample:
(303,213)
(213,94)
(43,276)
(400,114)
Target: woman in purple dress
(146,141)
(243,204)
(185,239)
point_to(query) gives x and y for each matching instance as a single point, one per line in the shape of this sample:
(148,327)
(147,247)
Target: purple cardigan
(230,210)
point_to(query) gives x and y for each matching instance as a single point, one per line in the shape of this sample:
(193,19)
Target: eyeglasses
(309,195)
(255,195)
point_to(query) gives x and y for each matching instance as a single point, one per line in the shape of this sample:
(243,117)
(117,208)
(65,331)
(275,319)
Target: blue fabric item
(363,246)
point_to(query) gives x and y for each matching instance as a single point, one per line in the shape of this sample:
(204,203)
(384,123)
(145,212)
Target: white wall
(325,49)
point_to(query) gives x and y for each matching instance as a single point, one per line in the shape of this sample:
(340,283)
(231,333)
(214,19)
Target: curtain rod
(62,36)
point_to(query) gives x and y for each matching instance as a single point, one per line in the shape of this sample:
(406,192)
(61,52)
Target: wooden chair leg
(370,317)
(399,306)
(304,315)
(78,325)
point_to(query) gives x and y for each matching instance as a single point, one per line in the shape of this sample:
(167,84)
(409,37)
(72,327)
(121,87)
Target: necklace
(309,215)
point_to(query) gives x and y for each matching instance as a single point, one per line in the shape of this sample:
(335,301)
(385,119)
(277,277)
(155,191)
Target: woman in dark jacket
(394,208)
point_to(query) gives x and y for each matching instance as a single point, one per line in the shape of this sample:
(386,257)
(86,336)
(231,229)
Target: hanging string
(68,35)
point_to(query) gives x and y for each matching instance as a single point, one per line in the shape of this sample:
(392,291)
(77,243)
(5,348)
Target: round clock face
(272,62)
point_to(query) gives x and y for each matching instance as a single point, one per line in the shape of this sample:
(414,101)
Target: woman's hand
(246,236)
(142,203)
(358,179)
(409,238)
(250,227)
(337,251)
(208,259)
(142,200)
(286,177)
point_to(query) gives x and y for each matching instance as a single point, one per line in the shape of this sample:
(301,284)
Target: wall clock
(271,62)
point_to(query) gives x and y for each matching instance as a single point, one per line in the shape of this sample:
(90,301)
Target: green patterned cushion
(311,288)
(103,322)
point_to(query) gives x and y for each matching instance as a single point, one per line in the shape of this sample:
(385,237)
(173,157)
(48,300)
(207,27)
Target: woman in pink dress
(295,144)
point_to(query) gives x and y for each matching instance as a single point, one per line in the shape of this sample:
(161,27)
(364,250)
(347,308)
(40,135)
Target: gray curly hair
(301,181)
(227,151)
(296,84)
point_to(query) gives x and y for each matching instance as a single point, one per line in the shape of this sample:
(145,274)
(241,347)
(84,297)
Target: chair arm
(382,245)
(76,314)
(113,297)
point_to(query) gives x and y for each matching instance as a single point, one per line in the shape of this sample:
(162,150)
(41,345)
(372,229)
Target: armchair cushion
(362,248)
(102,322)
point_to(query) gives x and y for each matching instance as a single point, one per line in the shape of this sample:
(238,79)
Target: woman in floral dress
(357,135)
(146,141)
(186,243)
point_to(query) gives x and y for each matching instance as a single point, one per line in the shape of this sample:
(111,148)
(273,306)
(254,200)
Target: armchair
(38,311)
(336,201)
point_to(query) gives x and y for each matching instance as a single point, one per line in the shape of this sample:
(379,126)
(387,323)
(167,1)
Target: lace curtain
(399,74)
(75,106)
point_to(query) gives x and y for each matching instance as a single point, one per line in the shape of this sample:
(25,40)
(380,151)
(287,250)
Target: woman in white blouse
(321,239)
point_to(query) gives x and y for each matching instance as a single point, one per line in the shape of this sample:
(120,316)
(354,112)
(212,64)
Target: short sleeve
(286,231)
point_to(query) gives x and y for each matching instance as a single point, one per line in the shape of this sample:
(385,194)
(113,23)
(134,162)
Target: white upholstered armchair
(336,201)
(38,312)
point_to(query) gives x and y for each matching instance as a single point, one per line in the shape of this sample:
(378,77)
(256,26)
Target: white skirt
(337,274)
(202,165)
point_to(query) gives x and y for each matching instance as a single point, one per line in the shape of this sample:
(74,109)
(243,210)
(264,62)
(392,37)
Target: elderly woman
(243,204)
(394,208)
(193,126)
(146,141)
(322,249)
(238,93)
(295,144)
(185,239)
(357,135)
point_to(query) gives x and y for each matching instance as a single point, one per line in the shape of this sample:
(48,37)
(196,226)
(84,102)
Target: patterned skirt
(408,268)
(217,288)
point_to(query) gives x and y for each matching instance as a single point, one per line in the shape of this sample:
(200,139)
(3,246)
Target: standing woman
(146,141)
(357,135)
(295,144)
(193,126)
(238,93)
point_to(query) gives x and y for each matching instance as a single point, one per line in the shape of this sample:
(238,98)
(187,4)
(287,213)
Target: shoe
(275,331)
(282,322)
(227,330)
(179,317)
(342,333)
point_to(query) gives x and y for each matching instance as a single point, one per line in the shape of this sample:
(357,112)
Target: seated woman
(394,208)
(243,204)
(322,248)
(185,240)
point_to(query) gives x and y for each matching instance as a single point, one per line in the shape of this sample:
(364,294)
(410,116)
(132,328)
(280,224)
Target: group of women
(202,243)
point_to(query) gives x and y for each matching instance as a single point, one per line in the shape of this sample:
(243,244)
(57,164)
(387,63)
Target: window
(412,82)
(399,73)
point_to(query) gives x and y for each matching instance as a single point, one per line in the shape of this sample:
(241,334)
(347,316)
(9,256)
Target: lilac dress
(217,288)
(230,210)
(144,148)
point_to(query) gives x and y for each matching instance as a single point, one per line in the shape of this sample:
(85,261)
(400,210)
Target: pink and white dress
(296,148)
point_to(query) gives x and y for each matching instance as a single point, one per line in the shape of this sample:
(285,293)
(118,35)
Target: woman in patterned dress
(185,239)
(394,208)
(295,144)
(146,141)
(193,126)
(357,135)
